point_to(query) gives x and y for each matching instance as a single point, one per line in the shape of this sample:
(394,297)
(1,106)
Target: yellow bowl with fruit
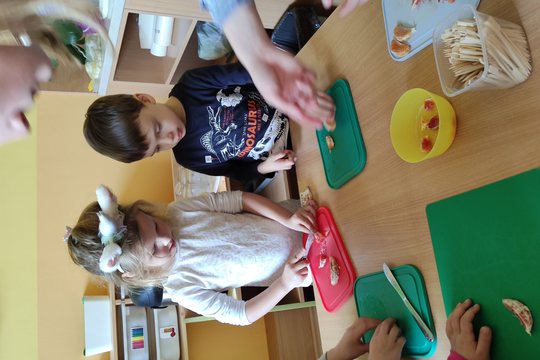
(423,125)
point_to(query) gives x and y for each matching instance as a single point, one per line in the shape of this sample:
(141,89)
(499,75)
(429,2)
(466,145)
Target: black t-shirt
(230,129)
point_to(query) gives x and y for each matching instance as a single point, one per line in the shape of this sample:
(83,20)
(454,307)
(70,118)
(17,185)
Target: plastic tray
(332,296)
(425,18)
(348,158)
(376,298)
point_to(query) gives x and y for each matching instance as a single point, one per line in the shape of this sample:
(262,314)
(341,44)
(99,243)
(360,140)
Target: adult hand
(459,329)
(387,342)
(281,79)
(346,7)
(290,87)
(295,270)
(304,219)
(21,71)
(351,346)
(283,160)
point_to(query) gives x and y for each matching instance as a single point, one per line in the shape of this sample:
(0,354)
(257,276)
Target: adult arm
(214,77)
(281,79)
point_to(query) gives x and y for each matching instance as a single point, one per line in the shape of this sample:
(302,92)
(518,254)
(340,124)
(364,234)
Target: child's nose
(164,240)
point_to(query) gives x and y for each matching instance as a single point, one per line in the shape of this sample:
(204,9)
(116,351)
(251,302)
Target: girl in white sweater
(201,247)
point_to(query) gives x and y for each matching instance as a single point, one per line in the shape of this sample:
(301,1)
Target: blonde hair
(85,247)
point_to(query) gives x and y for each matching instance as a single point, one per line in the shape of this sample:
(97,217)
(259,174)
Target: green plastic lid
(376,298)
(348,157)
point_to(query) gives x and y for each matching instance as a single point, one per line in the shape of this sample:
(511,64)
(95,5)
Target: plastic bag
(212,43)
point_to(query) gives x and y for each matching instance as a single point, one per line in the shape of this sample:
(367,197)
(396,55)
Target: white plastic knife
(391,278)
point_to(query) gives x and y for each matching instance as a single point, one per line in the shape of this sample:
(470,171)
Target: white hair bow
(111,230)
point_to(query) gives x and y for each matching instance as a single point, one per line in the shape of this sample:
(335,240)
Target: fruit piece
(334,271)
(403,32)
(319,236)
(432,124)
(427,145)
(330,142)
(305,197)
(520,311)
(399,48)
(322,260)
(429,104)
(330,125)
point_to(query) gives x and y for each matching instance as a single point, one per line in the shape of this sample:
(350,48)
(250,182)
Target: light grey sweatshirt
(220,248)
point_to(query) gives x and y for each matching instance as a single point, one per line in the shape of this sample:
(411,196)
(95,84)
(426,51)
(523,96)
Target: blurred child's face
(157,240)
(160,125)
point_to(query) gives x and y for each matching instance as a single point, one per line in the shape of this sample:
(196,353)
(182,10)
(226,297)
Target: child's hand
(283,160)
(295,270)
(304,219)
(459,329)
(387,342)
(351,346)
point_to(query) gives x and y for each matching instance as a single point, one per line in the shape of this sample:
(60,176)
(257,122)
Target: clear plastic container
(489,33)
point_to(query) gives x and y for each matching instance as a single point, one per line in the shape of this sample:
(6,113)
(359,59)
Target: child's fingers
(455,316)
(484,340)
(297,256)
(310,217)
(401,341)
(311,208)
(290,155)
(386,325)
(395,332)
(465,324)
(314,204)
(365,324)
(300,264)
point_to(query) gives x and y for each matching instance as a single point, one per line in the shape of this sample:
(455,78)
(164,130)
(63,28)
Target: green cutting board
(376,298)
(348,158)
(487,247)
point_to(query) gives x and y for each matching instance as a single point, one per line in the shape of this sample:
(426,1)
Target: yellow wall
(68,173)
(45,182)
(214,340)
(18,275)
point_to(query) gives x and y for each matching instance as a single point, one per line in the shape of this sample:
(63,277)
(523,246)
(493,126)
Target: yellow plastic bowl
(405,126)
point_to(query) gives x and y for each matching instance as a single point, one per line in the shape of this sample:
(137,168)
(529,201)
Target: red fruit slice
(427,145)
(429,104)
(520,311)
(433,123)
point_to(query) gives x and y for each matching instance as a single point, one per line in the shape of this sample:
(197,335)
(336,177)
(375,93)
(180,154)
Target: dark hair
(112,128)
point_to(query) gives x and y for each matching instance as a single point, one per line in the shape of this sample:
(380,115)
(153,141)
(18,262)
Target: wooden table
(381,212)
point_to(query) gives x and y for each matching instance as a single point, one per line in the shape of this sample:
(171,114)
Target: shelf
(298,298)
(139,65)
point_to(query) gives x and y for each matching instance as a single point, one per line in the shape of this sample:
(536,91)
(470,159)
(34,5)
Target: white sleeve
(226,201)
(211,303)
